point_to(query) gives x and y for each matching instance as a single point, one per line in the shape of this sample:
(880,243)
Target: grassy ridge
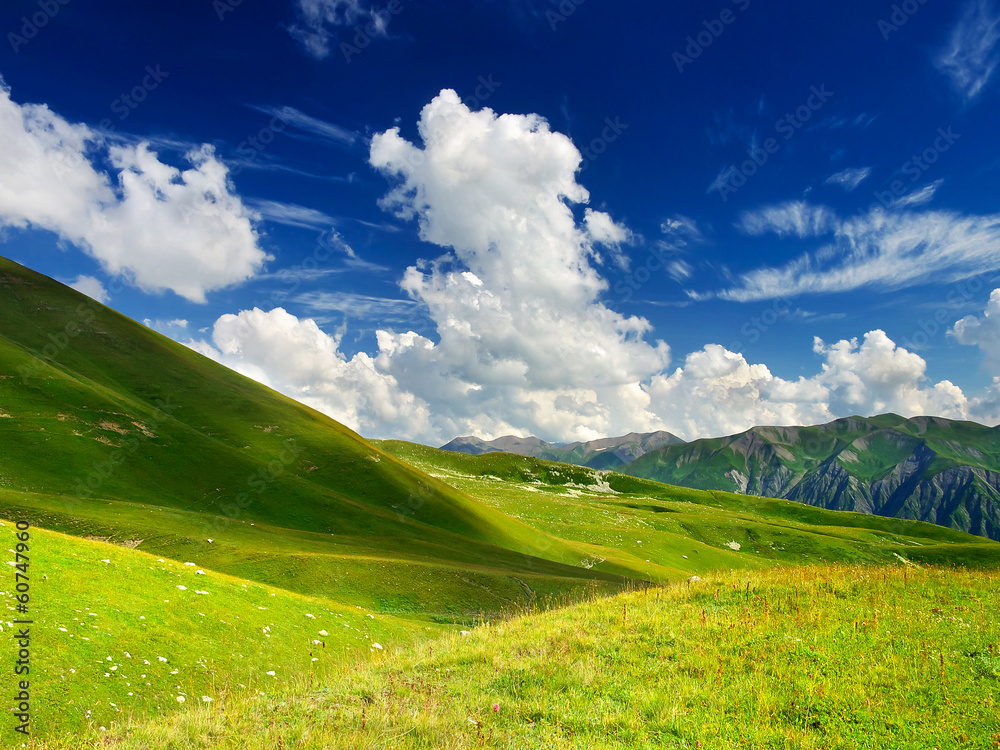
(820,657)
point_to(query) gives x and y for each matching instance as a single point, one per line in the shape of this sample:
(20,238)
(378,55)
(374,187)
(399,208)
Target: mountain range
(925,468)
(606,453)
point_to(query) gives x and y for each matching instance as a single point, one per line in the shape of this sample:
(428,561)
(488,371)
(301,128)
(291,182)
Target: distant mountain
(926,468)
(606,453)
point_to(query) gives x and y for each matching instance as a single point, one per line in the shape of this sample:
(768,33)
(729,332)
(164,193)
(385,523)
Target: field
(817,657)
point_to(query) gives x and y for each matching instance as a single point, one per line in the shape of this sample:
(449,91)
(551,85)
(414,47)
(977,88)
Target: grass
(118,633)
(818,657)
(662,533)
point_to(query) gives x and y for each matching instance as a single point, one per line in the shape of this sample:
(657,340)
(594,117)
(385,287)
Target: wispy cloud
(292,215)
(883,250)
(361,306)
(918,197)
(795,219)
(969,57)
(849,179)
(296,118)
(334,241)
(319,20)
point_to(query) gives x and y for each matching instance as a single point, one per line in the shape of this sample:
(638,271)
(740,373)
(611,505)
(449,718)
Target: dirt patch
(129,543)
(112,427)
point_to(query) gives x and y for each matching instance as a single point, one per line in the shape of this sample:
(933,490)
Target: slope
(618,523)
(110,429)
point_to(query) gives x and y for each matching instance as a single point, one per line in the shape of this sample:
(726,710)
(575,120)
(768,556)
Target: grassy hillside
(926,468)
(664,532)
(819,657)
(120,633)
(112,430)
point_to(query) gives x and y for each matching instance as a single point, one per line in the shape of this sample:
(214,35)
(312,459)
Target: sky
(570,219)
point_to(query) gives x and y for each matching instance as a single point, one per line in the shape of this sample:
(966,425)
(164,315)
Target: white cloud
(849,179)
(292,214)
(717,392)
(792,219)
(361,306)
(92,287)
(297,358)
(878,249)
(319,20)
(516,303)
(327,130)
(983,332)
(969,58)
(159,227)
(523,342)
(918,197)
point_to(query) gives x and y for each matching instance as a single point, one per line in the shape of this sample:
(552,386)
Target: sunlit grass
(823,657)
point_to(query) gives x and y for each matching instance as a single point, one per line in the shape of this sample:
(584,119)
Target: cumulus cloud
(983,332)
(887,249)
(516,301)
(969,57)
(156,225)
(717,392)
(522,341)
(299,359)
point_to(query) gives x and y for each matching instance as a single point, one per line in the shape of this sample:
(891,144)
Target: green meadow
(215,565)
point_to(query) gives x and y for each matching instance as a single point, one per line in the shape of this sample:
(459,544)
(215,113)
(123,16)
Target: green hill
(926,468)
(661,532)
(111,430)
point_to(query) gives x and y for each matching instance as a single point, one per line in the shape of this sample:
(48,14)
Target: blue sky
(566,219)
